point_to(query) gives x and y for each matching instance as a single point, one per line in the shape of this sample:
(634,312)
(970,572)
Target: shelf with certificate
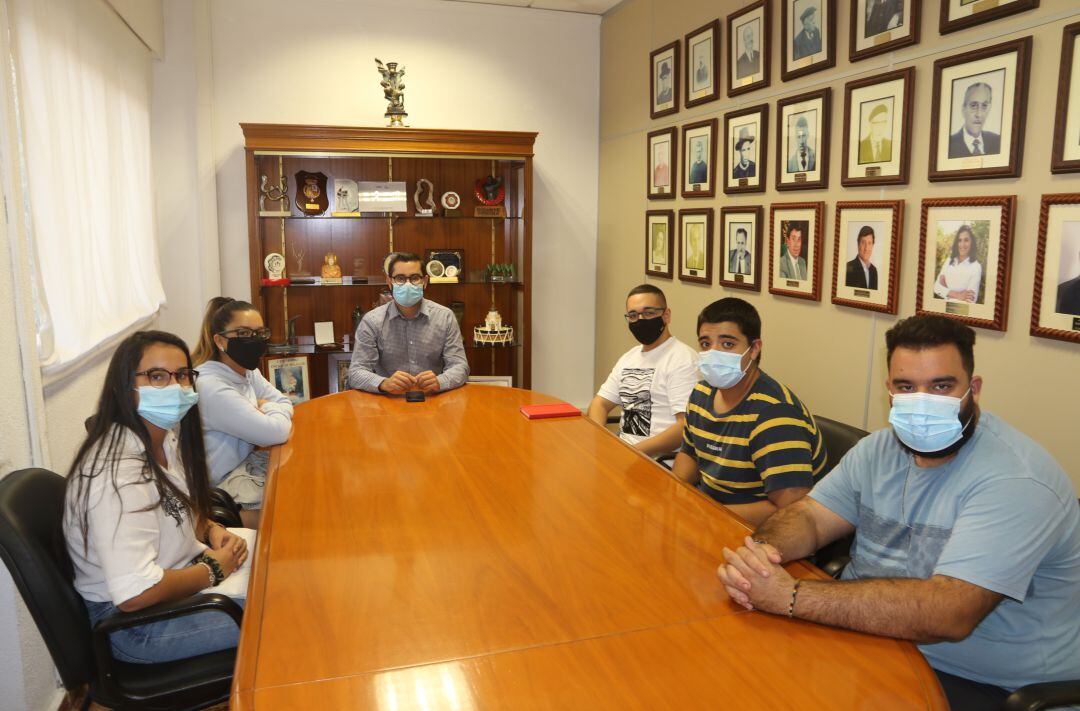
(329,161)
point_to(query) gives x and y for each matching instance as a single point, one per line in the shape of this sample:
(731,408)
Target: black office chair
(839,438)
(32,546)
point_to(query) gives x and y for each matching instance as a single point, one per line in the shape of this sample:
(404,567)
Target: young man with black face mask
(967,533)
(652,381)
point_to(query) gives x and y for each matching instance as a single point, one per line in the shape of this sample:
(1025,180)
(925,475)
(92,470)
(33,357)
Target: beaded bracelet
(209,572)
(214,567)
(794,594)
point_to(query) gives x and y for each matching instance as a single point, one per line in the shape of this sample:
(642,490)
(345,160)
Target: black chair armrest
(1048,695)
(669,457)
(225,517)
(613,419)
(224,509)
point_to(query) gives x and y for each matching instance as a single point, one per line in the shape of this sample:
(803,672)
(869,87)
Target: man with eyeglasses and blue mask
(651,381)
(749,442)
(409,343)
(967,533)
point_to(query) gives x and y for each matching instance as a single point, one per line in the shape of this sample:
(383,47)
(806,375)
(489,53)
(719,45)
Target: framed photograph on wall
(695,245)
(795,231)
(1055,307)
(961,14)
(663,148)
(290,376)
(338,372)
(699,159)
(807,37)
(977,113)
(740,247)
(964,247)
(802,150)
(664,80)
(879,26)
(1066,153)
(702,70)
(746,150)
(659,248)
(866,254)
(748,32)
(877,129)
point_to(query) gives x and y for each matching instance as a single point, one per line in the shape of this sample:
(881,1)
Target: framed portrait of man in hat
(664,80)
(877,129)
(746,150)
(808,31)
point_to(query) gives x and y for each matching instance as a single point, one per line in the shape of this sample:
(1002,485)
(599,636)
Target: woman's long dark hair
(974,255)
(101,453)
(219,312)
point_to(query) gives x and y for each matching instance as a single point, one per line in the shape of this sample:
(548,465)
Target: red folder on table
(555,409)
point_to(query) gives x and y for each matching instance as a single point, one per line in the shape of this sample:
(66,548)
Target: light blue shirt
(1001,515)
(233,423)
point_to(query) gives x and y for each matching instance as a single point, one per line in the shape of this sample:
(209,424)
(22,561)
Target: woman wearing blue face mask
(136,515)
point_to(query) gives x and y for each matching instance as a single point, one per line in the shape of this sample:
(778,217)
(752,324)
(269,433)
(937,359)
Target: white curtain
(83,83)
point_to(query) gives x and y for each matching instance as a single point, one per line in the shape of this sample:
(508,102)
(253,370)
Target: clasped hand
(401,382)
(754,578)
(227,548)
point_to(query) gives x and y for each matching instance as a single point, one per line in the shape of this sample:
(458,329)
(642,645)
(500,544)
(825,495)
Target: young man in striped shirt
(749,442)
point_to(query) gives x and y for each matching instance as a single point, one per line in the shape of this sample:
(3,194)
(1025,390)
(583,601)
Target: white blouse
(965,276)
(128,548)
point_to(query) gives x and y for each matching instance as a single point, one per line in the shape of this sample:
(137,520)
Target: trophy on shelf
(490,193)
(425,208)
(394,91)
(499,272)
(275,269)
(331,270)
(451,203)
(445,266)
(359,271)
(274,193)
(346,198)
(311,193)
(298,251)
(493,332)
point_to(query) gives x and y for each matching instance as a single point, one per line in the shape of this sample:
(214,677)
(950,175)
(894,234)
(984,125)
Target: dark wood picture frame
(714,65)
(817,236)
(945,25)
(669,215)
(735,86)
(762,140)
(1007,205)
(906,104)
(758,217)
(1037,327)
(888,45)
(709,189)
(673,164)
(1022,48)
(895,249)
(786,38)
(1066,77)
(823,132)
(705,278)
(676,67)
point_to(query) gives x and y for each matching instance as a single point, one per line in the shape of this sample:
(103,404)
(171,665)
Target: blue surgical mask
(927,423)
(165,406)
(407,294)
(722,369)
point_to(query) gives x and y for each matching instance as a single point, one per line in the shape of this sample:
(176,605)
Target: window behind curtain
(83,81)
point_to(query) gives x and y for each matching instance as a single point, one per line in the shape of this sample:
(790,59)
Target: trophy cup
(394,91)
(428,210)
(274,193)
(489,192)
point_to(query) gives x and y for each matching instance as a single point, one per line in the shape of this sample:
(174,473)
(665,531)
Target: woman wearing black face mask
(240,409)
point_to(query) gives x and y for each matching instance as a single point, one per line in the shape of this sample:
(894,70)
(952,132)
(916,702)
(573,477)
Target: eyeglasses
(242,332)
(414,279)
(645,313)
(160,378)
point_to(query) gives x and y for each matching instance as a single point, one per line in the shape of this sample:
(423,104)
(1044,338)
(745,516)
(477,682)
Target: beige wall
(833,356)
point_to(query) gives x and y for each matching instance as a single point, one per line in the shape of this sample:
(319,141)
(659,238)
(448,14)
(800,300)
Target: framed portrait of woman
(964,250)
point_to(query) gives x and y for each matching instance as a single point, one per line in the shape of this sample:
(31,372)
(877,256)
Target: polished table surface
(453,554)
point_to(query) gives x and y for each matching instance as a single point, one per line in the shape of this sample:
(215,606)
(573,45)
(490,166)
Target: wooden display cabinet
(453,161)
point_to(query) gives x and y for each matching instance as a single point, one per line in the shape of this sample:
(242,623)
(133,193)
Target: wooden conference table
(452,554)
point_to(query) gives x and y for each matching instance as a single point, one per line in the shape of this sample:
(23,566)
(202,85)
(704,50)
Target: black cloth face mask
(647,330)
(246,351)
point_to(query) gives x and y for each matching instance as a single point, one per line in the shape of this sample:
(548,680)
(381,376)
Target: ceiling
(590,7)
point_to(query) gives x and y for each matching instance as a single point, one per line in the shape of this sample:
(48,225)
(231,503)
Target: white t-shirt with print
(651,387)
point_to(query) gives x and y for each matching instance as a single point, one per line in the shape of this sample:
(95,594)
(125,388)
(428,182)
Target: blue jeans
(169,640)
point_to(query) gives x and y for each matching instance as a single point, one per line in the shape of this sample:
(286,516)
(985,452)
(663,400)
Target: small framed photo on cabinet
(866,254)
(746,150)
(1066,151)
(961,14)
(748,33)
(664,80)
(290,376)
(879,26)
(695,245)
(659,247)
(795,231)
(877,129)
(699,159)
(964,248)
(977,115)
(663,163)
(702,68)
(1055,308)
(802,151)
(807,37)
(740,247)
(338,372)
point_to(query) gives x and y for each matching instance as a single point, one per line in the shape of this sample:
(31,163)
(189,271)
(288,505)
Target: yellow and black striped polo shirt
(768,442)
